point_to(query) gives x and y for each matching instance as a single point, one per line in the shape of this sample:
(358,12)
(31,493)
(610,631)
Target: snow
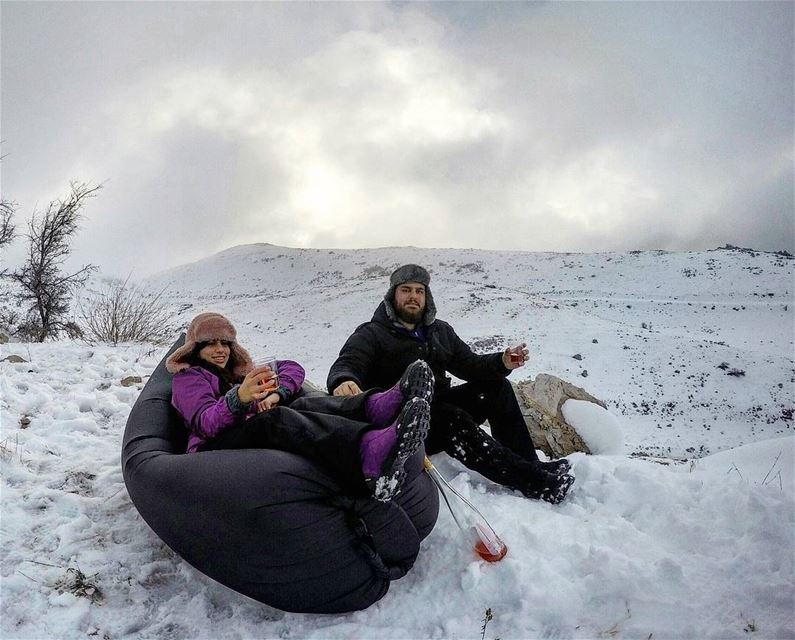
(761,463)
(687,531)
(599,429)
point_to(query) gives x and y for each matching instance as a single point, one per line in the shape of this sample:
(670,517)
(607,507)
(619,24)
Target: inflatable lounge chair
(267,523)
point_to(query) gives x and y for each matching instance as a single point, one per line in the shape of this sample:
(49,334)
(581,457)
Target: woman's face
(216,352)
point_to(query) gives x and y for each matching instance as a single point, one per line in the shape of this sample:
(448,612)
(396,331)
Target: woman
(226,403)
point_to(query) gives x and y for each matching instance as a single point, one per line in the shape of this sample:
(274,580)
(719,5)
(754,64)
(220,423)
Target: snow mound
(598,427)
(769,462)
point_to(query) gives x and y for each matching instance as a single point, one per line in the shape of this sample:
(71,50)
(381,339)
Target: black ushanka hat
(410,273)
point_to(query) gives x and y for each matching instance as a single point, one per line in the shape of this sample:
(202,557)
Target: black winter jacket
(377,353)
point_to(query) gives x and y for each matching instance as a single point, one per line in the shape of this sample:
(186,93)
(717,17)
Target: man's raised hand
(515,357)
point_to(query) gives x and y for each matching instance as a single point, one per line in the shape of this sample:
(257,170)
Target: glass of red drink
(271,382)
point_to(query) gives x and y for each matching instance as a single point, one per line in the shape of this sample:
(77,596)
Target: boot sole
(412,427)
(418,381)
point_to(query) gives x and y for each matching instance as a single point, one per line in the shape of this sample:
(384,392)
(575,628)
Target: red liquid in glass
(487,555)
(517,357)
(270,384)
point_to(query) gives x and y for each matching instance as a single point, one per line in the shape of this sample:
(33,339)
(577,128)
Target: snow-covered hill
(639,549)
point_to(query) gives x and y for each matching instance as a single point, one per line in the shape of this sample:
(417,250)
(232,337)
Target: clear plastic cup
(270,362)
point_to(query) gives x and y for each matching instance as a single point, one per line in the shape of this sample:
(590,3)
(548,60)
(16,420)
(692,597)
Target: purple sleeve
(204,413)
(291,376)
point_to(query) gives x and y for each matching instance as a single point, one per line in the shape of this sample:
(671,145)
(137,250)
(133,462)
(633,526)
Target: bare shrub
(7,230)
(121,312)
(44,288)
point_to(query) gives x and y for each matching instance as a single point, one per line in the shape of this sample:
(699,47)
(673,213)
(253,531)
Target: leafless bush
(7,229)
(44,288)
(121,312)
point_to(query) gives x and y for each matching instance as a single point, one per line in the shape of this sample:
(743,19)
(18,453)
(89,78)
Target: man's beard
(410,316)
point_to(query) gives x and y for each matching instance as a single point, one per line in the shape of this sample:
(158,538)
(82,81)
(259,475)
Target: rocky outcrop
(541,401)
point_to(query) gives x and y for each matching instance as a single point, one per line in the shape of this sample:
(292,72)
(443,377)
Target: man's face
(410,302)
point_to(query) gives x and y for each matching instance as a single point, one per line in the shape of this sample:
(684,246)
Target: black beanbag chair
(269,524)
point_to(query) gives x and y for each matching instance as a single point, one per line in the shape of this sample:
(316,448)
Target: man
(403,329)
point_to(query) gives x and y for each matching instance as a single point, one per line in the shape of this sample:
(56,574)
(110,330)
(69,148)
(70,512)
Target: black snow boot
(550,488)
(559,467)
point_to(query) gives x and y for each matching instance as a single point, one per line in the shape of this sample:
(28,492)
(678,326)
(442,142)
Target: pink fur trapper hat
(206,327)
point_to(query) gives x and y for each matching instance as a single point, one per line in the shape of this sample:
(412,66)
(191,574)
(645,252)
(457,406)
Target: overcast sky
(534,126)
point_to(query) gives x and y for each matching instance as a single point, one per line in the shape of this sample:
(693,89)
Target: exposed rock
(541,401)
(24,422)
(13,358)
(131,380)
(3,338)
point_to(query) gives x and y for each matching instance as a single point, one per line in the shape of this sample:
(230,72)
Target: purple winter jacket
(196,395)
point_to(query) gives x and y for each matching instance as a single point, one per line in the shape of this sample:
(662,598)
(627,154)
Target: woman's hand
(268,402)
(258,384)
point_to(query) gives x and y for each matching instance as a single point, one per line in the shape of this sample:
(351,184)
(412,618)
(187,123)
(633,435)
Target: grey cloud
(188,202)
(544,126)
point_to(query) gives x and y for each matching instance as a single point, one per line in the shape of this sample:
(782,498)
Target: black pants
(507,457)
(323,429)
